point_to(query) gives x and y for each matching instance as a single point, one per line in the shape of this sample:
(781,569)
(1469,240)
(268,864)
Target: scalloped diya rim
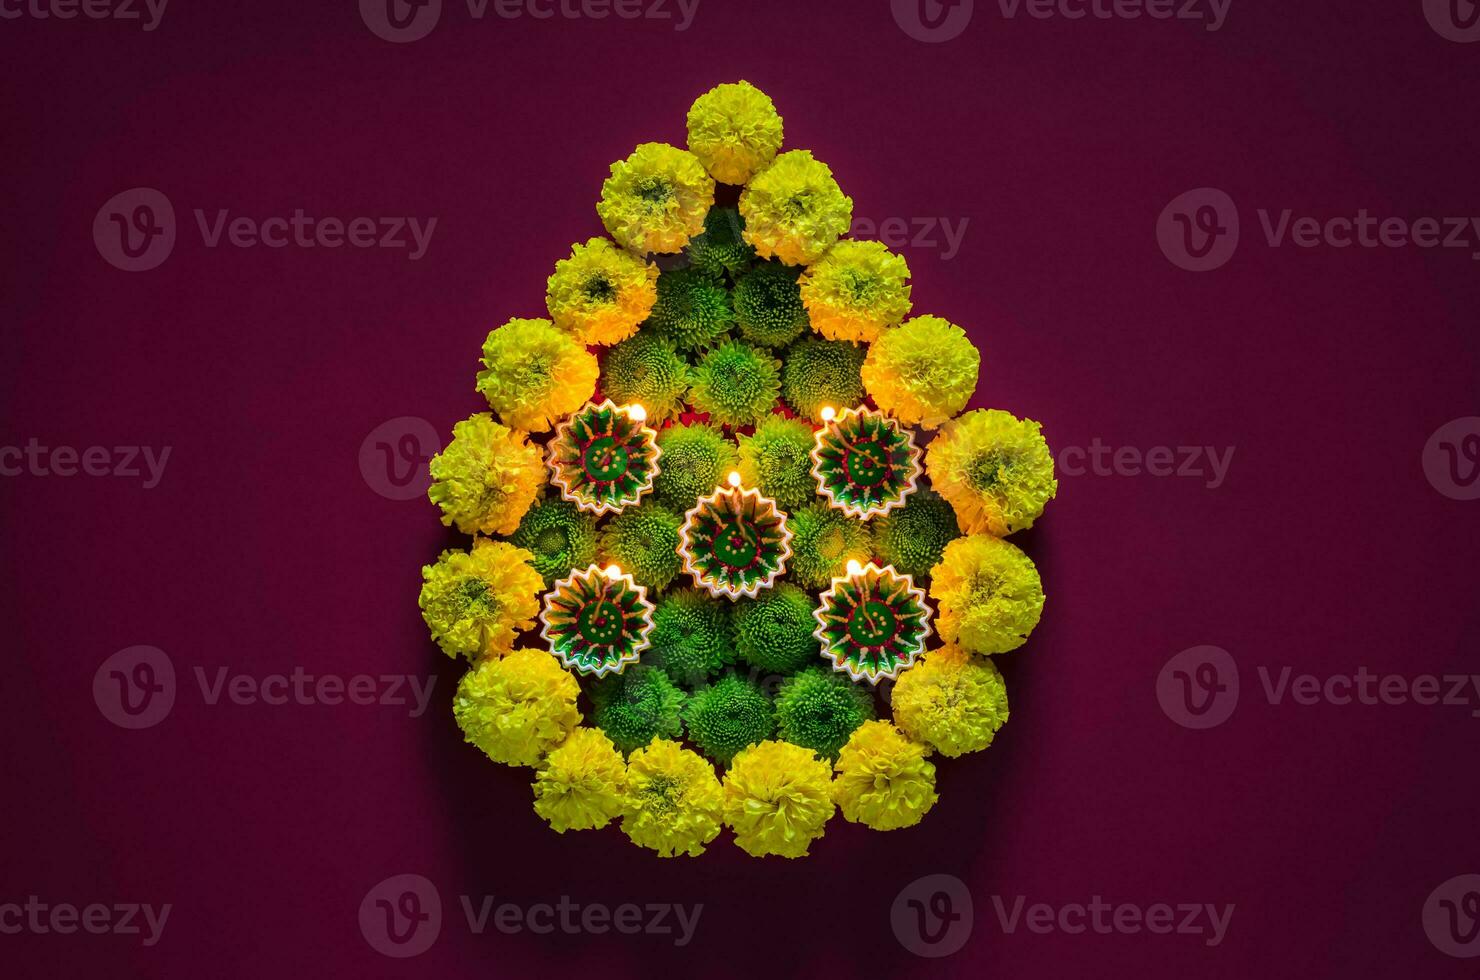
(878,572)
(642,641)
(712,502)
(912,483)
(561,435)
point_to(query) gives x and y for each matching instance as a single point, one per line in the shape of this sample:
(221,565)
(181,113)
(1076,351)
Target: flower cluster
(729,487)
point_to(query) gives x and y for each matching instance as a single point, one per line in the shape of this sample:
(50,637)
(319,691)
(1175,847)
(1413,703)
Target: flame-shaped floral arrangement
(737,555)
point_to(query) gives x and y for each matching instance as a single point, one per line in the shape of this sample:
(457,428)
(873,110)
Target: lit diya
(603,457)
(873,622)
(734,542)
(864,462)
(597,621)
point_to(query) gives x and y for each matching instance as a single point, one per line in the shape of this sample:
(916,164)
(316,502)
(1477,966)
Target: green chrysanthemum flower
(912,538)
(794,209)
(768,305)
(773,631)
(643,541)
(727,716)
(656,199)
(823,541)
(734,130)
(694,459)
(736,384)
(691,636)
(486,478)
(693,311)
(534,372)
(776,460)
(601,293)
(646,370)
(819,710)
(817,374)
(857,289)
(637,706)
(994,468)
(722,250)
(558,536)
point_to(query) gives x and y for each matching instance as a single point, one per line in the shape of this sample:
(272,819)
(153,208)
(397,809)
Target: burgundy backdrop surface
(1055,144)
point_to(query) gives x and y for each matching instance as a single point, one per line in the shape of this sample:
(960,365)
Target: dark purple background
(264,549)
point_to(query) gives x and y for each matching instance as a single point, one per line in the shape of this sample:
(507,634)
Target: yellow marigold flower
(857,289)
(518,707)
(486,478)
(994,468)
(477,602)
(673,799)
(582,784)
(952,701)
(778,799)
(601,294)
(735,131)
(534,372)
(794,209)
(656,199)
(923,371)
(989,594)
(884,781)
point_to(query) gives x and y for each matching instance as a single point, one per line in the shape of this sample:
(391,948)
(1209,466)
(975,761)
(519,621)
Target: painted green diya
(735,542)
(865,463)
(603,457)
(873,622)
(597,621)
